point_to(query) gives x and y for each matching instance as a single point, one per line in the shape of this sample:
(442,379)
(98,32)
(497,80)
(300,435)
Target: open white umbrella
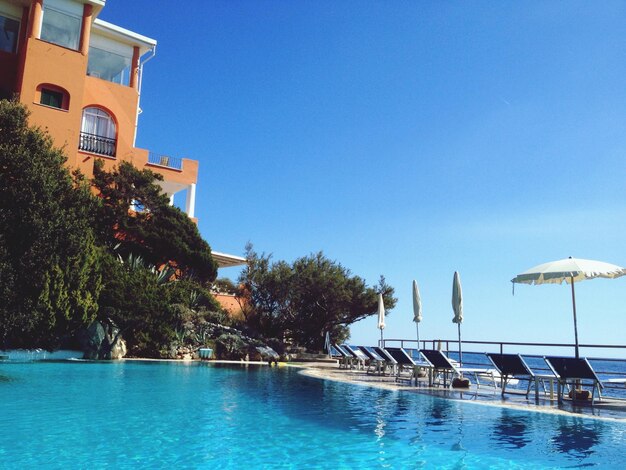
(457,307)
(417,310)
(570,270)
(381,316)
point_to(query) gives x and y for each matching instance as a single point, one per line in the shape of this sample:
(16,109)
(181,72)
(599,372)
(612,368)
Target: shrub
(230,346)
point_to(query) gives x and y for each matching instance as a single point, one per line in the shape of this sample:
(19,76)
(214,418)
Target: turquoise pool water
(160,415)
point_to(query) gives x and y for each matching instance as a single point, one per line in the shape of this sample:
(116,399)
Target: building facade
(80,77)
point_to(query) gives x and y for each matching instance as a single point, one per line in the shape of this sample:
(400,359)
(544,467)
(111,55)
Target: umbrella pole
(575,323)
(460,353)
(381,338)
(417,326)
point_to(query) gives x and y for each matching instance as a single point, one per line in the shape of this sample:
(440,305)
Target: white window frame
(104,123)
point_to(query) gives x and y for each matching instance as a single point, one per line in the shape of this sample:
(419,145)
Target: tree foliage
(307,298)
(68,257)
(161,234)
(145,303)
(50,278)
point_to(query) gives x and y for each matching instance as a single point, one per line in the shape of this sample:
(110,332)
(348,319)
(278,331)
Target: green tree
(134,299)
(159,233)
(308,298)
(50,277)
(145,303)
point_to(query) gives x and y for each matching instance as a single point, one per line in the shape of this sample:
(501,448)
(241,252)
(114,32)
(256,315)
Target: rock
(102,341)
(91,340)
(460,382)
(579,394)
(118,350)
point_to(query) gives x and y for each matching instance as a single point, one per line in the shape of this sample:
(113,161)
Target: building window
(60,28)
(108,66)
(98,132)
(9,29)
(52,98)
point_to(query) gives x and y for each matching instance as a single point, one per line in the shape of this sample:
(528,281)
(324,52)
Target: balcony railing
(165,160)
(96,144)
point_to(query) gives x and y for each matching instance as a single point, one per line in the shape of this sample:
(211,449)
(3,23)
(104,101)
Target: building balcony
(97,144)
(180,175)
(165,161)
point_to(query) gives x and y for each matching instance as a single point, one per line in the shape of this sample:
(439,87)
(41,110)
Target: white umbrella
(381,316)
(417,310)
(457,307)
(570,270)
(327,344)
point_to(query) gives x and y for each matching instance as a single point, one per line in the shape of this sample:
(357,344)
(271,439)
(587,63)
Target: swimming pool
(159,415)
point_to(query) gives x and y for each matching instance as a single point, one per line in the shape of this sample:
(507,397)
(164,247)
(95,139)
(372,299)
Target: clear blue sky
(409,139)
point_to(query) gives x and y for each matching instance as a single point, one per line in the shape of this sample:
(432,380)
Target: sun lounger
(390,362)
(444,367)
(513,366)
(361,358)
(334,352)
(400,356)
(405,363)
(376,363)
(358,358)
(345,358)
(440,364)
(574,371)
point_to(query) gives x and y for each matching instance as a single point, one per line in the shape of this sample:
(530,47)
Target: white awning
(226,261)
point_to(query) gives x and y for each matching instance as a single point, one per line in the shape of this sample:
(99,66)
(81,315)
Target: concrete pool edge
(326,373)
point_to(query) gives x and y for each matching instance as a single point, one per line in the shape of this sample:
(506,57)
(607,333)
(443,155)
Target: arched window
(52,96)
(98,132)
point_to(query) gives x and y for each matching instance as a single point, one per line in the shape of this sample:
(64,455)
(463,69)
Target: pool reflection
(439,412)
(577,437)
(511,430)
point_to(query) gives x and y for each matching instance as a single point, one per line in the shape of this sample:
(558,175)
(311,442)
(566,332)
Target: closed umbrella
(381,316)
(327,344)
(417,310)
(457,307)
(570,270)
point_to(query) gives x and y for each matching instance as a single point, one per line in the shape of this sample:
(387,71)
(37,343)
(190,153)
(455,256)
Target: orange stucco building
(80,77)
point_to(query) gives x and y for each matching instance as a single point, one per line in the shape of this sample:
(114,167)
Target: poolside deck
(608,408)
